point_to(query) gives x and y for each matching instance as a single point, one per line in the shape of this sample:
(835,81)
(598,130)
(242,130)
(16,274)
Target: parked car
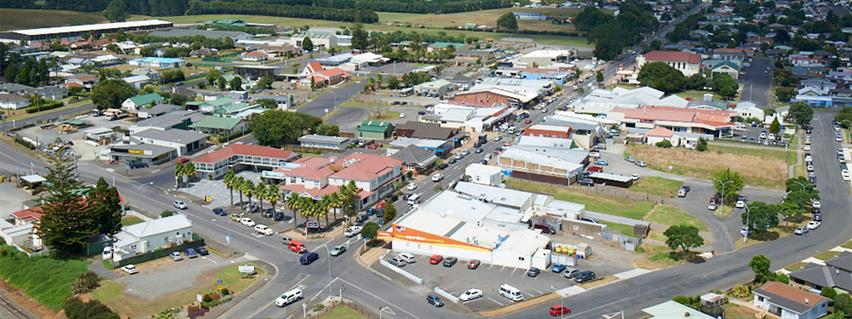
(106,254)
(594,154)
(450,261)
(601,162)
(816,204)
(741,201)
(584,276)
(813,224)
(558,310)
(711,205)
(263,230)
(801,230)
(352,231)
(571,272)
(176,256)
(219,211)
(435,301)
(337,250)
(435,259)
(545,228)
(397,261)
(130,269)
(683,191)
(558,268)
(641,164)
(473,264)
(533,272)
(202,251)
(437,177)
(137,164)
(179,204)
(411,186)
(630,159)
(407,258)
(470,294)
(190,253)
(268,213)
(235,217)
(635,177)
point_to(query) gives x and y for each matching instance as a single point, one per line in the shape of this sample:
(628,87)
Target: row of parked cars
(578,275)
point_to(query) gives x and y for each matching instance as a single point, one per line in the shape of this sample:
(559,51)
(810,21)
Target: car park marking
(495,301)
(538,291)
(379,298)
(514,270)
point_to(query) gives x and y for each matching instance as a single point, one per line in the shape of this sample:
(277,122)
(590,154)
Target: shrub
(702,145)
(782,278)
(664,144)
(167,213)
(828,292)
(206,298)
(224,292)
(86,282)
(741,291)
(77,309)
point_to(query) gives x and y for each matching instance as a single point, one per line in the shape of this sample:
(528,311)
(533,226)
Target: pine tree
(65,225)
(105,205)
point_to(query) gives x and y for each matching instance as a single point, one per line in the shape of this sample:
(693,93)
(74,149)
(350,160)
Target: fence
(159,253)
(622,193)
(626,242)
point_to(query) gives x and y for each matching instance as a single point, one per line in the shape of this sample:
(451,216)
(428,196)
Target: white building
(484,174)
(602,101)
(748,109)
(183,141)
(319,40)
(13,102)
(542,58)
(685,62)
(151,235)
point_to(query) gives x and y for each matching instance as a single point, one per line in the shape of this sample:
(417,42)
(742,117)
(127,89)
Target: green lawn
(599,203)
(658,186)
(697,95)
(343,312)
(670,215)
(130,220)
(826,255)
(796,266)
(621,228)
(847,245)
(45,279)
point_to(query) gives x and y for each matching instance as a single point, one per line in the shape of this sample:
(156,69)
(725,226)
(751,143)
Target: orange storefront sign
(397,232)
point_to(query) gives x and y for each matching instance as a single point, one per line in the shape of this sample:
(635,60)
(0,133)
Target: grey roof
(577,126)
(427,130)
(843,261)
(161,109)
(155,150)
(314,138)
(170,119)
(500,196)
(833,274)
(159,226)
(171,135)
(15,87)
(416,155)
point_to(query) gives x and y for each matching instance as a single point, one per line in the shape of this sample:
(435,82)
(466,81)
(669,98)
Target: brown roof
(673,56)
(660,132)
(789,297)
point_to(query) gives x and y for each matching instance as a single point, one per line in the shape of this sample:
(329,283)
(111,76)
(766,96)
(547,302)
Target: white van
(414,199)
(510,292)
(263,230)
(289,297)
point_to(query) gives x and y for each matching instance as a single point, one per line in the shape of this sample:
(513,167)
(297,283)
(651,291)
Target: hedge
(48,105)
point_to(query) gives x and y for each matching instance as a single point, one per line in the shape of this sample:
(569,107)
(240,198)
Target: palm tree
(260,191)
(238,184)
(189,172)
(248,189)
(273,195)
(230,181)
(336,201)
(180,171)
(324,205)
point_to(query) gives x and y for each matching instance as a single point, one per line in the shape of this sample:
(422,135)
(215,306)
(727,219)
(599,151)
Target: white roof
(480,169)
(524,242)
(546,54)
(158,226)
(368,57)
(552,158)
(33,178)
(673,310)
(500,196)
(91,27)
(546,127)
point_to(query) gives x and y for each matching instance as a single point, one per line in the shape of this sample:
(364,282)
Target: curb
(271,273)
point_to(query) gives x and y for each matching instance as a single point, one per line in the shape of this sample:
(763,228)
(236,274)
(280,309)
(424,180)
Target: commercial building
(484,174)
(315,75)
(375,130)
(425,130)
(415,159)
(336,143)
(319,40)
(146,153)
(210,34)
(183,141)
(687,120)
(438,87)
(473,119)
(602,101)
(685,62)
(542,58)
(543,164)
(440,148)
(216,125)
(154,62)
(789,302)
(176,119)
(529,16)
(148,236)
(553,131)
(74,32)
(239,156)
(157,110)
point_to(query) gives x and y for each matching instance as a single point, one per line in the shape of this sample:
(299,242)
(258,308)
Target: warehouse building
(335,143)
(75,32)
(146,153)
(183,141)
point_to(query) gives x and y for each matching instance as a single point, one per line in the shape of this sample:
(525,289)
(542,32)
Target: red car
(436,259)
(528,121)
(558,310)
(473,264)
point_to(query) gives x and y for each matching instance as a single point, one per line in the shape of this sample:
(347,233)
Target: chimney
(807,302)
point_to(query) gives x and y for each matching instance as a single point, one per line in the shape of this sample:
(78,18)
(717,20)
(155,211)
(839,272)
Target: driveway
(755,84)
(333,96)
(164,276)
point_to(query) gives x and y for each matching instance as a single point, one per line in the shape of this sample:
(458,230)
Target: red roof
(717,118)
(312,168)
(365,167)
(257,54)
(330,73)
(29,215)
(660,132)
(672,56)
(245,150)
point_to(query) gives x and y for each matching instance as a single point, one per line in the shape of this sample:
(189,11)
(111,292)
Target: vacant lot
(343,312)
(670,215)
(283,21)
(483,17)
(595,202)
(658,186)
(30,18)
(757,166)
(115,295)
(45,279)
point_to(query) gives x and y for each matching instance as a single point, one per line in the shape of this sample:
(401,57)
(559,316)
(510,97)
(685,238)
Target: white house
(748,109)
(148,236)
(13,102)
(484,174)
(789,302)
(685,62)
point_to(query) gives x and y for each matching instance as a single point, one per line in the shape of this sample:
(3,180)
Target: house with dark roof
(241,156)
(790,302)
(415,159)
(836,273)
(685,62)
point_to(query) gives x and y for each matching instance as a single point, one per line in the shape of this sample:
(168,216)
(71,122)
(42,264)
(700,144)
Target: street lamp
(329,266)
(383,309)
(723,184)
(747,228)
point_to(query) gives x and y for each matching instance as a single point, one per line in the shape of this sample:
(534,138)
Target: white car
(106,254)
(179,204)
(807,148)
(247,221)
(130,269)
(816,204)
(845,175)
(740,204)
(408,258)
(813,224)
(352,231)
(411,186)
(810,168)
(809,158)
(594,154)
(437,177)
(263,230)
(470,294)
(762,135)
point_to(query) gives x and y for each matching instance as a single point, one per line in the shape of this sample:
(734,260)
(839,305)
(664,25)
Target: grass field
(762,152)
(826,255)
(45,279)
(130,220)
(758,169)
(658,186)
(113,294)
(343,312)
(697,95)
(283,21)
(847,245)
(621,228)
(599,203)
(483,17)
(669,215)
(30,18)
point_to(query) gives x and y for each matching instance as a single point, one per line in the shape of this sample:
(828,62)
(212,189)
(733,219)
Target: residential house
(375,130)
(86,81)
(317,76)
(217,125)
(254,56)
(789,302)
(137,81)
(674,310)
(135,103)
(836,273)
(13,101)
(685,62)
(159,63)
(238,156)
(148,236)
(415,159)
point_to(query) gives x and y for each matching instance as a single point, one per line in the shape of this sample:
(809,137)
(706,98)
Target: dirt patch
(28,304)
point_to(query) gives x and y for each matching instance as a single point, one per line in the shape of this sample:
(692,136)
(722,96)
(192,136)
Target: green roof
(216,122)
(728,63)
(228,21)
(374,126)
(230,108)
(445,45)
(146,99)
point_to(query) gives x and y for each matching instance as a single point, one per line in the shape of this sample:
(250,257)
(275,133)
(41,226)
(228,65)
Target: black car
(478,150)
(361,218)
(818,217)
(279,216)
(533,272)
(584,276)
(435,301)
(450,261)
(202,251)
(219,211)
(452,160)
(268,213)
(443,166)
(586,182)
(137,164)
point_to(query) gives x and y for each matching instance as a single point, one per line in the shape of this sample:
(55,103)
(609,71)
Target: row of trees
(281,10)
(24,70)
(436,6)
(663,77)
(612,34)
(344,198)
(196,42)
(245,187)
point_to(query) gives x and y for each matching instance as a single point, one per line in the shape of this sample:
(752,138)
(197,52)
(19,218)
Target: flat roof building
(238,156)
(337,143)
(73,32)
(183,141)
(145,153)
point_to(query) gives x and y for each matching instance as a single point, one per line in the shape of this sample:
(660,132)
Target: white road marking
(538,291)
(495,301)
(379,298)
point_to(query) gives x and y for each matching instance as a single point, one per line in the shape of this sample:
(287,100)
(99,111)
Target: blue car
(190,252)
(602,163)
(219,211)
(558,268)
(435,301)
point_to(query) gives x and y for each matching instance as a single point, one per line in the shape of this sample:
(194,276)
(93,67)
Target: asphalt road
(727,270)
(6,125)
(755,84)
(332,98)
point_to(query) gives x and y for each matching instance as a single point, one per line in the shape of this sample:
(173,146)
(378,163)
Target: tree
(260,191)
(760,266)
(728,183)
(116,11)
(801,184)
(276,128)
(247,188)
(785,94)
(230,181)
(696,82)
(775,127)
(307,44)
(662,77)
(508,22)
(828,292)
(221,83)
(702,145)
(843,303)
(212,76)
(683,236)
(66,225)
(599,76)
(293,203)
(265,83)
(328,130)
(390,211)
(664,144)
(273,196)
(111,93)
(369,231)
(800,113)
(77,309)
(236,84)
(725,85)
(359,37)
(760,217)
(104,204)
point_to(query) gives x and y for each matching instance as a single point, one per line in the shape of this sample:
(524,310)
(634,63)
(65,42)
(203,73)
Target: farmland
(28,19)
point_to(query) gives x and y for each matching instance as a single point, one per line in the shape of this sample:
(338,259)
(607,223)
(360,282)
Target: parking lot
(750,134)
(164,276)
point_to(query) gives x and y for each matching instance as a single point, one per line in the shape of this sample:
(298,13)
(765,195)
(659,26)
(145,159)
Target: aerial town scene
(425,159)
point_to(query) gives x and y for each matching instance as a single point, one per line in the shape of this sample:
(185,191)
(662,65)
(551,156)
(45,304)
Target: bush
(692,302)
(206,298)
(702,145)
(44,106)
(167,213)
(828,292)
(741,291)
(86,282)
(77,309)
(664,144)
(782,278)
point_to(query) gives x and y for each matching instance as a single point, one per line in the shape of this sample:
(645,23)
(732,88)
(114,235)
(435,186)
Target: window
(521,259)
(760,298)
